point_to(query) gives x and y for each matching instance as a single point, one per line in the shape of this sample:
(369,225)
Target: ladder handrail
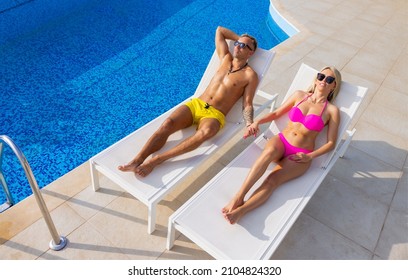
(57,242)
(3,182)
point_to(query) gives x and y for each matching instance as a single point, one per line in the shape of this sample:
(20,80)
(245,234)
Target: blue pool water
(82,81)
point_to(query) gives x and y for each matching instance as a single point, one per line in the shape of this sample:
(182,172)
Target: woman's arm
(253,129)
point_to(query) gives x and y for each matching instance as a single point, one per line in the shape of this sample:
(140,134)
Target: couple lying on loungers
(293,149)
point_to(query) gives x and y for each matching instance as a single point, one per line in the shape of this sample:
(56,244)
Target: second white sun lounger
(259,233)
(153,188)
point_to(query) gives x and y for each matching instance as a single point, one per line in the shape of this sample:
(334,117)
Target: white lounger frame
(259,233)
(151,189)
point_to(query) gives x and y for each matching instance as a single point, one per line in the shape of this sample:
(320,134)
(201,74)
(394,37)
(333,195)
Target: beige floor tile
(380,44)
(86,243)
(377,14)
(387,119)
(34,241)
(338,58)
(380,144)
(287,4)
(324,24)
(343,208)
(124,223)
(396,23)
(373,179)
(396,82)
(18,217)
(357,37)
(302,42)
(370,65)
(400,68)
(400,201)
(24,247)
(392,99)
(54,195)
(279,81)
(303,15)
(88,202)
(393,243)
(66,186)
(346,11)
(184,249)
(311,240)
(320,9)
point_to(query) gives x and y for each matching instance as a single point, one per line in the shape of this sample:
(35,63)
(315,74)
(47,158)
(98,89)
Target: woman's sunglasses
(329,79)
(242,45)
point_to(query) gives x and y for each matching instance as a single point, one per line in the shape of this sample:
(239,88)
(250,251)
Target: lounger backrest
(260,61)
(347,101)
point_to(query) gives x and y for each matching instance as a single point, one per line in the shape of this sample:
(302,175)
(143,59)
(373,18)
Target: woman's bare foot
(232,205)
(233,216)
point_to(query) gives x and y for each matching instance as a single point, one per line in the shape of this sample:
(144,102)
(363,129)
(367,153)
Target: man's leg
(207,129)
(179,119)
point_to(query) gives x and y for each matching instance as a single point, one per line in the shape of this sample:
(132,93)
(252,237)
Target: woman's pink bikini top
(311,122)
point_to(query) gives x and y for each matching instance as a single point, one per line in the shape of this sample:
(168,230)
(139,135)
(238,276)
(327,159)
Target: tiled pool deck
(359,212)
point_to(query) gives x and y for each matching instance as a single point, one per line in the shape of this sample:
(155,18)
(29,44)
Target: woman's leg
(273,151)
(285,170)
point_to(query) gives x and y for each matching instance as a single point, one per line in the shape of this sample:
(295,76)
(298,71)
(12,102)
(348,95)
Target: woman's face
(324,81)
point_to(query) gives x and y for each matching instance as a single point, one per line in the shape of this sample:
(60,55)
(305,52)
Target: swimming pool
(82,81)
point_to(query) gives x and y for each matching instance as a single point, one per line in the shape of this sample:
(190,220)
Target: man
(233,79)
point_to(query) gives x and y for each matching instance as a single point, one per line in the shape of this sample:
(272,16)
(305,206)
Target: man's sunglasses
(329,79)
(242,45)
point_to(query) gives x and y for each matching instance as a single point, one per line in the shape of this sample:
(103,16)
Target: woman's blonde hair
(333,94)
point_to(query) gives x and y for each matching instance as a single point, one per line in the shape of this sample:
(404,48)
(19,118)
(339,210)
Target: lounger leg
(151,219)
(94,176)
(347,142)
(171,234)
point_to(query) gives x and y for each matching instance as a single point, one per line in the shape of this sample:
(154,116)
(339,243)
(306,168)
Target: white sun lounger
(151,189)
(259,232)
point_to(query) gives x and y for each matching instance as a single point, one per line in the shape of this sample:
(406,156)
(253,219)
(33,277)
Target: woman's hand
(252,129)
(300,157)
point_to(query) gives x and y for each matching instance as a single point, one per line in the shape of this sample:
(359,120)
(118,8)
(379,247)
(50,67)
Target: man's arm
(221,35)
(248,98)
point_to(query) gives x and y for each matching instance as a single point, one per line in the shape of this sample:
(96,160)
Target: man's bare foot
(147,167)
(131,166)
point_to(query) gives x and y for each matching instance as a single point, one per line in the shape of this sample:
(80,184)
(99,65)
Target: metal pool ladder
(58,242)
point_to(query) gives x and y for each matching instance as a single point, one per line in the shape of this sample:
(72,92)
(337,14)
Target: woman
(293,149)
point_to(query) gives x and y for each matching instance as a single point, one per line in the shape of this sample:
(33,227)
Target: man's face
(243,47)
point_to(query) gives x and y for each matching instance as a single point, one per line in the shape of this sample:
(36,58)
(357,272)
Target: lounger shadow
(151,189)
(259,233)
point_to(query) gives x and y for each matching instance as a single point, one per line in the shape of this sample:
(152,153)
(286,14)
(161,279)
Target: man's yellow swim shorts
(202,110)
